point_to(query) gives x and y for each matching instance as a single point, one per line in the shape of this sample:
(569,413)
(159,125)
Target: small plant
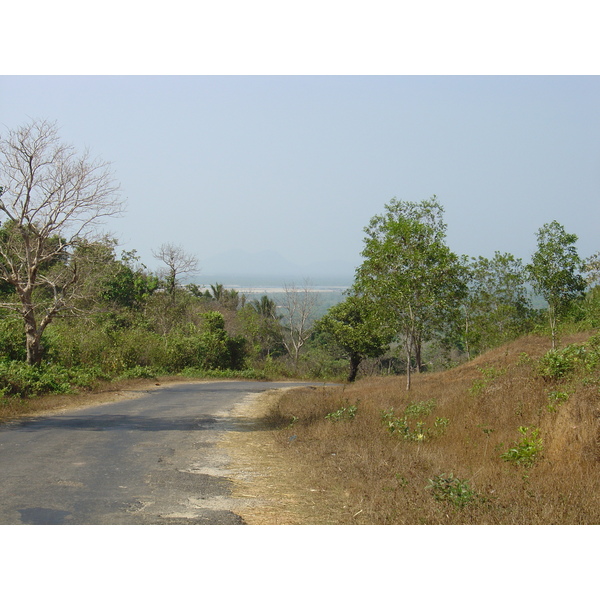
(488,375)
(417,432)
(345,413)
(556,398)
(447,488)
(527,449)
(420,408)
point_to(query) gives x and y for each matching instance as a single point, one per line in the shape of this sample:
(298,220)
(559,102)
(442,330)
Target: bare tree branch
(177,262)
(52,197)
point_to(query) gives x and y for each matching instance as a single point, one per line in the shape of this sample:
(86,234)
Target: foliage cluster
(67,300)
(559,363)
(526,450)
(448,488)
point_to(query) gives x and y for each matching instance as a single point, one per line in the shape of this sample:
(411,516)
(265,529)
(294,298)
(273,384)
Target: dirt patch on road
(277,489)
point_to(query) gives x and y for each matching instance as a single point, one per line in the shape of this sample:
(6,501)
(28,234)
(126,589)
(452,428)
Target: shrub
(12,340)
(447,488)
(559,363)
(527,449)
(417,432)
(344,413)
(22,380)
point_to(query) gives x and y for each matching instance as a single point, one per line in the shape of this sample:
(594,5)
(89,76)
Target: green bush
(527,450)
(346,413)
(22,380)
(415,431)
(559,363)
(12,340)
(448,488)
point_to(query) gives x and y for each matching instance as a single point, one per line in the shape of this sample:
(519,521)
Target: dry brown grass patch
(370,476)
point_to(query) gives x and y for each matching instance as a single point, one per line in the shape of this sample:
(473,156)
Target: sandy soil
(276,490)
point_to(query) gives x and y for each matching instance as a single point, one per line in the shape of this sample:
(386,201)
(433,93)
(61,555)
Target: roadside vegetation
(510,437)
(465,400)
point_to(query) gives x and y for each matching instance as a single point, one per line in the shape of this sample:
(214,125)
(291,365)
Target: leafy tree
(497,307)
(555,271)
(52,198)
(262,326)
(356,330)
(413,279)
(266,307)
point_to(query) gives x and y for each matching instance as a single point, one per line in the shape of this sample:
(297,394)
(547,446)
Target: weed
(420,408)
(417,432)
(527,449)
(489,374)
(344,413)
(556,398)
(447,488)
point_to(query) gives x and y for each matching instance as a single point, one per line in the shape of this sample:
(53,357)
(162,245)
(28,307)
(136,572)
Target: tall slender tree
(555,271)
(414,281)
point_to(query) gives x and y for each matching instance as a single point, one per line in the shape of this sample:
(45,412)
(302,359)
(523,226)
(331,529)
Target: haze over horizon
(385,99)
(297,166)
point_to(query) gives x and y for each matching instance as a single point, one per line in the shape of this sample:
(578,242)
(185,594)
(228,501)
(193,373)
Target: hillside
(450,451)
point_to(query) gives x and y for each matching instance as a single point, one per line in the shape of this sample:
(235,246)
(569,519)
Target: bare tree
(177,262)
(52,197)
(298,311)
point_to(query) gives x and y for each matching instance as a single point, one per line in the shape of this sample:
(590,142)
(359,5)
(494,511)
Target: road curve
(151,459)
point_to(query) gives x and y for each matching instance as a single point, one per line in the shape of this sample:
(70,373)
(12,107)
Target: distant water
(328,292)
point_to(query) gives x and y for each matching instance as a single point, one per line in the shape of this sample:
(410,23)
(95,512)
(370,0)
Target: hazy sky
(299,164)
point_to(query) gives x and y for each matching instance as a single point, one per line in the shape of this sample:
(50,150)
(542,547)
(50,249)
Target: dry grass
(355,472)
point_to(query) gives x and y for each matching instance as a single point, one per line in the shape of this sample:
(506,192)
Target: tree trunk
(417,346)
(354,364)
(408,359)
(33,344)
(552,315)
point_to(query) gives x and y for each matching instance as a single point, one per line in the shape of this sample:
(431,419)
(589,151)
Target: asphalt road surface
(148,460)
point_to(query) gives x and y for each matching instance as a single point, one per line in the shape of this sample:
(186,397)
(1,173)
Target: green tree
(356,330)
(555,271)
(413,279)
(52,198)
(262,326)
(497,308)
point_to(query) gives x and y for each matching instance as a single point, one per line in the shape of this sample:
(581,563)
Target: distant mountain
(240,266)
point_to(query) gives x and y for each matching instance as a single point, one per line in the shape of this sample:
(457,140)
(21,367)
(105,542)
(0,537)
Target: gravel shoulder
(274,489)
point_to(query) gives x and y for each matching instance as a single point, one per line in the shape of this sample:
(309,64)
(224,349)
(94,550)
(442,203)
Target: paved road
(151,459)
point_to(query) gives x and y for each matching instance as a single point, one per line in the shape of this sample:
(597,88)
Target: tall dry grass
(366,475)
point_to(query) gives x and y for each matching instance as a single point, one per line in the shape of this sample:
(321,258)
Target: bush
(12,340)
(559,363)
(527,449)
(451,489)
(22,380)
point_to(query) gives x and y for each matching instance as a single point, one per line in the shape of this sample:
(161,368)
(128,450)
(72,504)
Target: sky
(279,126)
(299,164)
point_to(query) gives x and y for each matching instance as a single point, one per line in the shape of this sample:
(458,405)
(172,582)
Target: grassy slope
(368,476)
